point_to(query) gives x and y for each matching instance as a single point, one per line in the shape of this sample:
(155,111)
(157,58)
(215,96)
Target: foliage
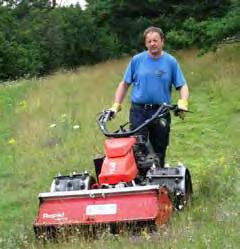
(37,38)
(205,34)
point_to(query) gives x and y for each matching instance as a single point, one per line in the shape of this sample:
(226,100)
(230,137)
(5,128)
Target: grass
(38,139)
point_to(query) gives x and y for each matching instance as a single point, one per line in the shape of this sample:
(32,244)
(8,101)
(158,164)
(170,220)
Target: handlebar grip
(106,115)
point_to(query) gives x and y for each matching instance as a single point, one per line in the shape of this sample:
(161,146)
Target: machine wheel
(181,200)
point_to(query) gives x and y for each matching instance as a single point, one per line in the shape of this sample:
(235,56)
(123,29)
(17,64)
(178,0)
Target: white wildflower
(75,127)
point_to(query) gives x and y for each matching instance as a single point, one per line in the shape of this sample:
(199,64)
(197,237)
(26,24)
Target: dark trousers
(157,132)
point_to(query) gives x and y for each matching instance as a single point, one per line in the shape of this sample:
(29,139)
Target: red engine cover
(119,164)
(116,147)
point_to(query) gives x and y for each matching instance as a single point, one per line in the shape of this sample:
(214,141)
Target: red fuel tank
(119,164)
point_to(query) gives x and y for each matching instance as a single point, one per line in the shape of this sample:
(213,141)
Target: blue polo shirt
(152,79)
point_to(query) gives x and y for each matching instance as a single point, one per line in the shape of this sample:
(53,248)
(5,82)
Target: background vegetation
(40,137)
(37,38)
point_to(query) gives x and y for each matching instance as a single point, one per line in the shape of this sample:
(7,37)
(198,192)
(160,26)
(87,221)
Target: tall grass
(48,126)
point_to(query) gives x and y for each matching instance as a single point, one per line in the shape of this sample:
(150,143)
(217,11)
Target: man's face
(154,44)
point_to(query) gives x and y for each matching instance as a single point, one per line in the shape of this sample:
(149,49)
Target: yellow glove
(115,109)
(182,104)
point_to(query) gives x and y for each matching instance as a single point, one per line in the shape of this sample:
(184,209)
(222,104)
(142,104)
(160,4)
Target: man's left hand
(183,105)
(116,107)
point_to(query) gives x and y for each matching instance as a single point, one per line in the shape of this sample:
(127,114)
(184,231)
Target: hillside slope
(39,138)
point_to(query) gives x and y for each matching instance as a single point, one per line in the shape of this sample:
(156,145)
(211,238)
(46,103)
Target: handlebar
(107,115)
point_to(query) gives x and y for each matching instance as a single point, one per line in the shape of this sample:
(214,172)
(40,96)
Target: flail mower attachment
(130,187)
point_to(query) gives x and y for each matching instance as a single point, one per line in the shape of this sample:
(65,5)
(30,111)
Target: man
(152,74)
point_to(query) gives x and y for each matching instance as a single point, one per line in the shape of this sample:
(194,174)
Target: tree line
(37,37)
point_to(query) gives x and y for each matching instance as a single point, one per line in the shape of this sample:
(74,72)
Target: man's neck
(156,56)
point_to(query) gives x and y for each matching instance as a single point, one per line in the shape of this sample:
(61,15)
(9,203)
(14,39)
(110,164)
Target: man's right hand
(116,107)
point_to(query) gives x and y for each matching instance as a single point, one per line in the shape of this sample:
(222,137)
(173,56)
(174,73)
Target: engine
(72,182)
(144,156)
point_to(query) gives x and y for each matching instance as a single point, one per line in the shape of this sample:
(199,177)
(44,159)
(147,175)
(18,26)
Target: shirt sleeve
(178,78)
(128,74)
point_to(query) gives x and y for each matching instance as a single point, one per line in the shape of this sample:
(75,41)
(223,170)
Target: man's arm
(119,96)
(120,92)
(184,92)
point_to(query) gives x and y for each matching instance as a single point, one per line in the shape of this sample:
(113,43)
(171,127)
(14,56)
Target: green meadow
(48,125)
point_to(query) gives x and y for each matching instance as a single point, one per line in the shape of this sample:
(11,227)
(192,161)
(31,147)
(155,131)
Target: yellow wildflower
(11,141)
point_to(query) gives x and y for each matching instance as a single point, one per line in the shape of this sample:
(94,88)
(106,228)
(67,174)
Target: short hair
(153,29)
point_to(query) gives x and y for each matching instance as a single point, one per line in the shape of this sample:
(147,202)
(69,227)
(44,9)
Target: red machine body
(119,163)
(104,206)
(111,205)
